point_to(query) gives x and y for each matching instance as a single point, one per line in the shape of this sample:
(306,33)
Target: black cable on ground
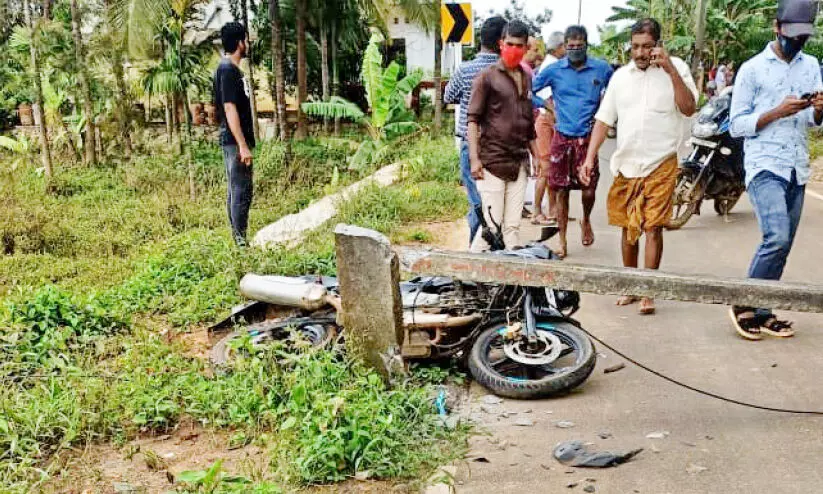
(697,390)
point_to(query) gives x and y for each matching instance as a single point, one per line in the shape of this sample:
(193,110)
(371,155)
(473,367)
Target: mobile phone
(654,57)
(809,96)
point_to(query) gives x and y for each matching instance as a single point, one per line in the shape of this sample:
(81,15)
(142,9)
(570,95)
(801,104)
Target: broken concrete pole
(369,275)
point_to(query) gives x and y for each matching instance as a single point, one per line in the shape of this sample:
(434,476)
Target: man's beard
(642,63)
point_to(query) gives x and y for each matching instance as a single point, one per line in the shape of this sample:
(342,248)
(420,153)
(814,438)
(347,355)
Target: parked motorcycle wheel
(498,365)
(686,200)
(318,333)
(724,206)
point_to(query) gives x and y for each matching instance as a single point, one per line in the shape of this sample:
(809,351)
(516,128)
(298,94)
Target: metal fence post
(369,275)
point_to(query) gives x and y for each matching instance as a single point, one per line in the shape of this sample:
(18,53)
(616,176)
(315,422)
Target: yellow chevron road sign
(457,23)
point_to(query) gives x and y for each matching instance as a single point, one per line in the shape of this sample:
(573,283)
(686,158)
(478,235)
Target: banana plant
(388,117)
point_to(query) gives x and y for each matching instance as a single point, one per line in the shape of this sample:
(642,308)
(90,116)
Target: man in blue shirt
(577,83)
(776,99)
(458,91)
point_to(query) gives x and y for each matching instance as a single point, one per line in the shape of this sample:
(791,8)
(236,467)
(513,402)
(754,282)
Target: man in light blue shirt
(776,99)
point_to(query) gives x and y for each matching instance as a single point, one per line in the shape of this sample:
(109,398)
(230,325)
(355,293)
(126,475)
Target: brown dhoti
(639,204)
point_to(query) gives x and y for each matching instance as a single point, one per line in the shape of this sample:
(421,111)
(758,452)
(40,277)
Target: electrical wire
(698,390)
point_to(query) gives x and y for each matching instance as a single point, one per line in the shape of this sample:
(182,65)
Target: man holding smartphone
(648,100)
(231,98)
(775,100)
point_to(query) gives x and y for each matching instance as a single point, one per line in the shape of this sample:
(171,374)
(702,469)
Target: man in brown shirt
(501,135)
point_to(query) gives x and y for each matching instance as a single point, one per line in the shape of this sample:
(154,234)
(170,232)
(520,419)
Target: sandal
(542,220)
(646,307)
(626,300)
(775,327)
(746,323)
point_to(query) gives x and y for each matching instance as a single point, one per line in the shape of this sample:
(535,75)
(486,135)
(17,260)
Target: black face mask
(791,46)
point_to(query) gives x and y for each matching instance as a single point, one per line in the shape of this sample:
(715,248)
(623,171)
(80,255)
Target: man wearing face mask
(776,99)
(501,135)
(577,83)
(231,98)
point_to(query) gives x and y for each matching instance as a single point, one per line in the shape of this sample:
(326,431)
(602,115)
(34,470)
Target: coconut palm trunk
(302,68)
(252,97)
(438,79)
(90,147)
(277,66)
(45,152)
(335,74)
(324,68)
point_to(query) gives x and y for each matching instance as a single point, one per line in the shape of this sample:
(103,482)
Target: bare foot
(588,233)
(646,306)
(627,300)
(562,251)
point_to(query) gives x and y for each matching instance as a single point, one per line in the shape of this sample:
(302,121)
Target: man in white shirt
(544,125)
(720,78)
(648,99)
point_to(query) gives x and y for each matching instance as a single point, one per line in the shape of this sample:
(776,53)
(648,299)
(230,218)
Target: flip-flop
(646,307)
(773,326)
(627,300)
(746,326)
(544,222)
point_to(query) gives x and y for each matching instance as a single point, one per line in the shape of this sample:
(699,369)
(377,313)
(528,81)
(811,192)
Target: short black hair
(517,29)
(491,32)
(576,32)
(232,34)
(647,26)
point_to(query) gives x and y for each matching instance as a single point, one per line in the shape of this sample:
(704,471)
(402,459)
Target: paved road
(713,447)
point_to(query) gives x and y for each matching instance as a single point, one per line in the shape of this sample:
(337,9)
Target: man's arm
(542,80)
(454,89)
(597,139)
(744,121)
(684,98)
(476,111)
(474,151)
(233,121)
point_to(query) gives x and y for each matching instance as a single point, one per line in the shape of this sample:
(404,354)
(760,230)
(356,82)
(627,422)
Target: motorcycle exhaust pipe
(283,290)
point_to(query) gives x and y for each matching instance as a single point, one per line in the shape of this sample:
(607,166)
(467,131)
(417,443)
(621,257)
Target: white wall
(420,46)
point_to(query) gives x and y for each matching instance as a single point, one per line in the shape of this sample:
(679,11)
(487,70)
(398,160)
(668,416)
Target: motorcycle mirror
(547,232)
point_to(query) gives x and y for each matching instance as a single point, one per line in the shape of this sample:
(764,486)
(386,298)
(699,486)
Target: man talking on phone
(231,98)
(648,99)
(776,99)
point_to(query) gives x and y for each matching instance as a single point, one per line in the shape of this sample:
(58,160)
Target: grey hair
(555,40)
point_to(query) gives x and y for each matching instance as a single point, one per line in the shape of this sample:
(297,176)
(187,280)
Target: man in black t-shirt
(231,99)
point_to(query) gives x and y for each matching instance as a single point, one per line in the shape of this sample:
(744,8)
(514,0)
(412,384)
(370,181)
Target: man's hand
(817,102)
(660,58)
(246,156)
(584,175)
(790,106)
(477,169)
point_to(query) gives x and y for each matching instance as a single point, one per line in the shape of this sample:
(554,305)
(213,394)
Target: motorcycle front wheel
(687,197)
(562,359)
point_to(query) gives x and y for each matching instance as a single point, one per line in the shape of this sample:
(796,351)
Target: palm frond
(139,21)
(372,68)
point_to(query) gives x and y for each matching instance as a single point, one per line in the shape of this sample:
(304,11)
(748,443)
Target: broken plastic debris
(575,453)
(657,435)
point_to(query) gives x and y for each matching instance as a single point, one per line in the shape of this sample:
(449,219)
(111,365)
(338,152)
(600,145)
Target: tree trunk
(277,66)
(302,69)
(335,74)
(438,78)
(45,153)
(123,105)
(252,97)
(169,117)
(324,69)
(82,77)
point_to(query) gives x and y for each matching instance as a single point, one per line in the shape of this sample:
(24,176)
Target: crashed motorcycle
(714,168)
(518,342)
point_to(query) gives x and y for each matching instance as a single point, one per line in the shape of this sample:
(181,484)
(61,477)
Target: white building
(419,46)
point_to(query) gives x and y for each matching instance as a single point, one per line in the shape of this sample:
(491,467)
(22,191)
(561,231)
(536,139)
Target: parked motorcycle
(518,342)
(714,169)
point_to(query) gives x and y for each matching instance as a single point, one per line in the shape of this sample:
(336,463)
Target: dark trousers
(240,192)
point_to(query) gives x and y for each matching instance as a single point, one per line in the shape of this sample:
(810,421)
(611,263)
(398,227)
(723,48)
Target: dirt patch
(817,170)
(447,235)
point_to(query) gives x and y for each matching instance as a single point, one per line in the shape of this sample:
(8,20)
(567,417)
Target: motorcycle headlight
(706,111)
(704,130)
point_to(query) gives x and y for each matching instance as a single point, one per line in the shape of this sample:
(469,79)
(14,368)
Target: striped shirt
(459,88)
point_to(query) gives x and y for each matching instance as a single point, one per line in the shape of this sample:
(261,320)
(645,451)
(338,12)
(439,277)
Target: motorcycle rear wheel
(724,206)
(511,379)
(318,333)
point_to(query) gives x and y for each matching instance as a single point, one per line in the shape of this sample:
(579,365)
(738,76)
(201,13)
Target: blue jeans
(777,205)
(240,192)
(471,189)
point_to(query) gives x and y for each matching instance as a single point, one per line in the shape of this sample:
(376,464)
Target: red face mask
(511,55)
